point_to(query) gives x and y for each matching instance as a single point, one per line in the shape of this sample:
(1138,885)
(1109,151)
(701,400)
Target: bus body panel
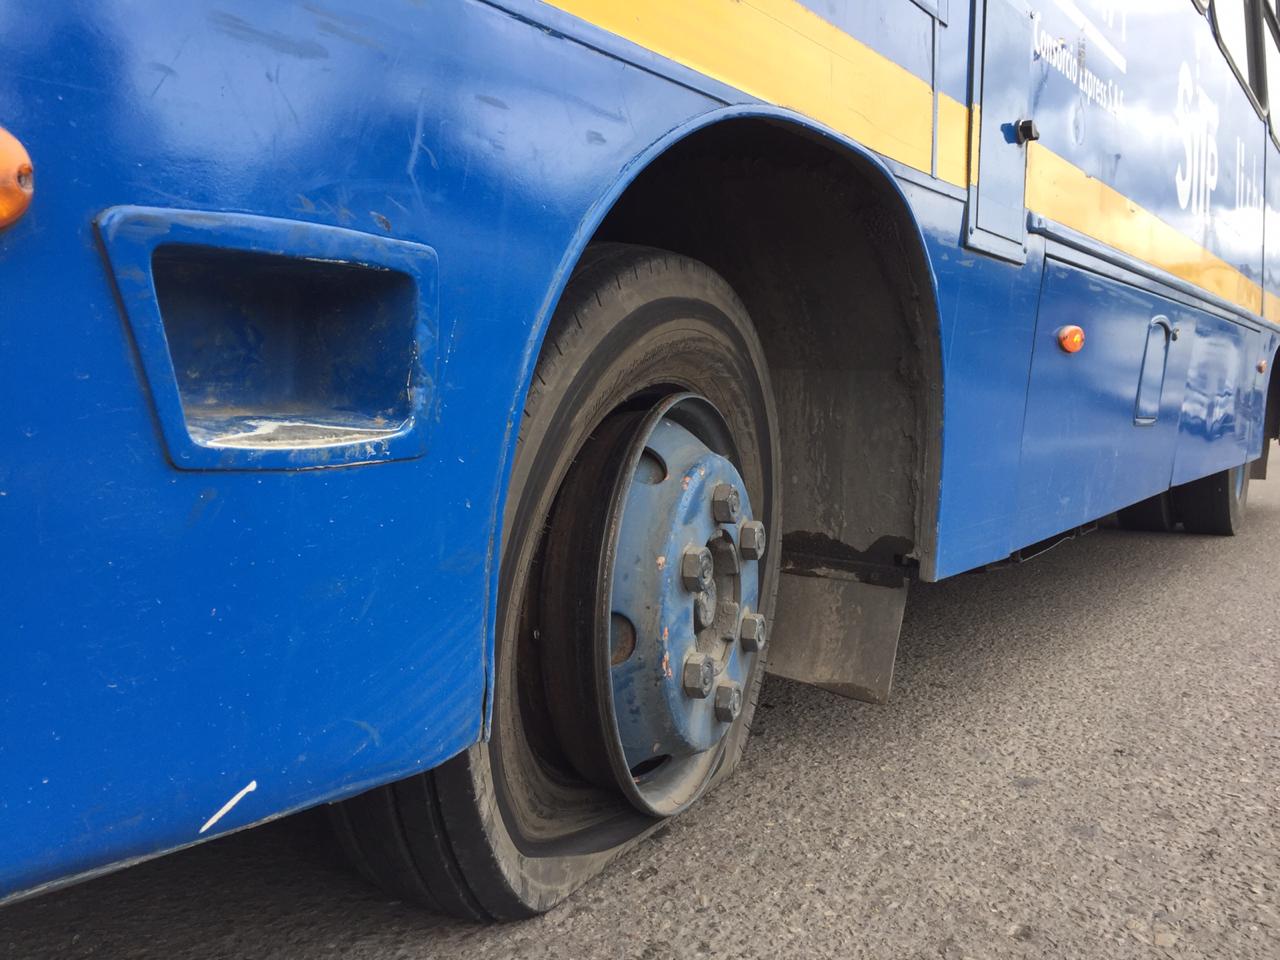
(172,636)
(192,651)
(987,319)
(1113,443)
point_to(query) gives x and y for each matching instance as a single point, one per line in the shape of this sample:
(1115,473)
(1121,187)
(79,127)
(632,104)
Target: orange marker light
(17,179)
(1262,366)
(1071,338)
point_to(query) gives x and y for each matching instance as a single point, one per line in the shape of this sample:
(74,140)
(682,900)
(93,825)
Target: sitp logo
(1197,121)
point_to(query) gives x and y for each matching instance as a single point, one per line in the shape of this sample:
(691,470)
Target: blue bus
(443,411)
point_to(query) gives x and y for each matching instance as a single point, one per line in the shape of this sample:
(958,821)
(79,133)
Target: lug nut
(728,702)
(697,569)
(704,609)
(751,539)
(726,504)
(699,676)
(753,633)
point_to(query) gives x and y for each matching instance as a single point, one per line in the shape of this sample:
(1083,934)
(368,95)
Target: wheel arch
(815,234)
(817,237)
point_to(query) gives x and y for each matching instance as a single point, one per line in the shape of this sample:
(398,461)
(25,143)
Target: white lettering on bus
(1069,61)
(1197,120)
(1248,182)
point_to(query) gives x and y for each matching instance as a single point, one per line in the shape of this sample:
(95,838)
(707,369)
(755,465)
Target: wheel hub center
(685,580)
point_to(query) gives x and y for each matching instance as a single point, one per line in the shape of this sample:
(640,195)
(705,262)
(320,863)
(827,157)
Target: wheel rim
(563,779)
(677,599)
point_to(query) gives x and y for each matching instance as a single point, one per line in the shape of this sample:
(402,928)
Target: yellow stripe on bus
(1271,306)
(781,52)
(955,142)
(1061,191)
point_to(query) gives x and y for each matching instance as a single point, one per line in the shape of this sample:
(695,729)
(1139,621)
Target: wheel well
(825,254)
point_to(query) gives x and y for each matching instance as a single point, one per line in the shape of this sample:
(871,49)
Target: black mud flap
(838,632)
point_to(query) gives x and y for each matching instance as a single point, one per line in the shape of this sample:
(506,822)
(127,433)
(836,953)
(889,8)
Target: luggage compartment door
(1101,424)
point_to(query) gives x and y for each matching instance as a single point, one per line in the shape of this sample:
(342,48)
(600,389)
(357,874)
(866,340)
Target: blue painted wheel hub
(683,599)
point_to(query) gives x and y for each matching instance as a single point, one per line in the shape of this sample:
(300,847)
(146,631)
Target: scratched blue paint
(174,634)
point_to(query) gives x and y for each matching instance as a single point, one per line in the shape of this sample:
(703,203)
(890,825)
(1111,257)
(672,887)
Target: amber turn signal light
(1071,338)
(17,179)
(1262,366)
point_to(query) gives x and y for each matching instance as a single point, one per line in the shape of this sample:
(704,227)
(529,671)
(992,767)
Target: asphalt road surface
(1081,759)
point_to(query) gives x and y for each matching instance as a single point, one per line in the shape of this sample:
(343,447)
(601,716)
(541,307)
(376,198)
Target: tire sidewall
(634,319)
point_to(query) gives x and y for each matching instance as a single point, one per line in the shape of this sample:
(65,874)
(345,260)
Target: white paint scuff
(248,788)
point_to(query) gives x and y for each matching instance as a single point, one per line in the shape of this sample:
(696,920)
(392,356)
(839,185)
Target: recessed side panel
(277,344)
